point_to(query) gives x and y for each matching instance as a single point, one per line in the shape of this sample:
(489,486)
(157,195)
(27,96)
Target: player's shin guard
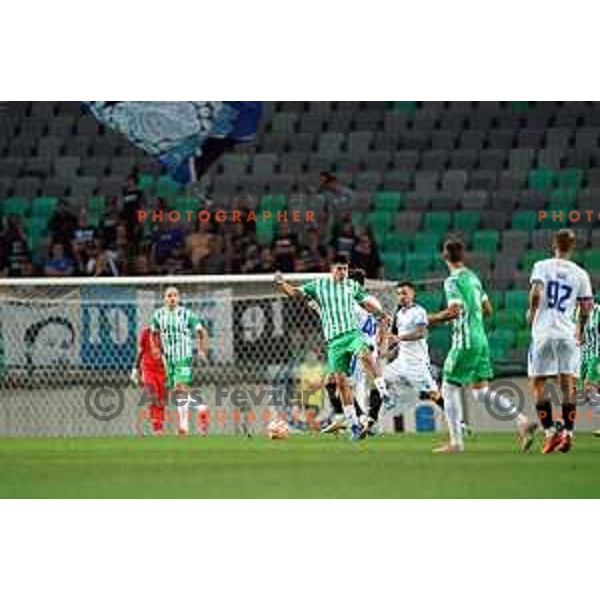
(544,412)
(375,405)
(569,414)
(454,413)
(334,399)
(157,417)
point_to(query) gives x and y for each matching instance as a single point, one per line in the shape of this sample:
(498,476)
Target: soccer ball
(278,430)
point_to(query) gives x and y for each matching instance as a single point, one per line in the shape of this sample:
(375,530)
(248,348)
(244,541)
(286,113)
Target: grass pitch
(301,467)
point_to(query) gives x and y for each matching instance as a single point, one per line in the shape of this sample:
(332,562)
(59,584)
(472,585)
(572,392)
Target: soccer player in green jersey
(177,326)
(589,376)
(468,363)
(337,296)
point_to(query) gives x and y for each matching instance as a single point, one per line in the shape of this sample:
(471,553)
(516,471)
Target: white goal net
(67,348)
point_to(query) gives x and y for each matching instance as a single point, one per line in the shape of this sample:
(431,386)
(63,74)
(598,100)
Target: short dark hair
(357,275)
(339,259)
(406,283)
(454,250)
(565,240)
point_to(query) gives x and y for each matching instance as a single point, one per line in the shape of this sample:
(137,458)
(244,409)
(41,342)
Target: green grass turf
(301,467)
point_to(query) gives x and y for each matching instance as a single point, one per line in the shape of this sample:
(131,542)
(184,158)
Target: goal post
(67,347)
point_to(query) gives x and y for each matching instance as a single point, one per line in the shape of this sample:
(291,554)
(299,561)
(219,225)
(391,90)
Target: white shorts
(415,373)
(550,357)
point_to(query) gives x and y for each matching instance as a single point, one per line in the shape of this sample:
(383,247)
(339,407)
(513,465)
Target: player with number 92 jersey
(563,286)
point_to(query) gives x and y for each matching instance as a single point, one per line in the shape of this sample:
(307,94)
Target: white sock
(502,400)
(380,385)
(454,412)
(350,413)
(184,414)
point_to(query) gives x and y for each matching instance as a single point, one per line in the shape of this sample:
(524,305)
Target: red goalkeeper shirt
(147,360)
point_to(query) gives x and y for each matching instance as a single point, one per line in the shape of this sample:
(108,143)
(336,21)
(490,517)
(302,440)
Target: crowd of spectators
(117,243)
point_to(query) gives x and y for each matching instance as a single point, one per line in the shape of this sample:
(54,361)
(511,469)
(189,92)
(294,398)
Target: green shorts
(466,366)
(179,372)
(342,348)
(589,371)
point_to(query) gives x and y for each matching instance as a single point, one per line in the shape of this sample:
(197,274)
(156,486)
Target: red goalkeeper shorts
(154,384)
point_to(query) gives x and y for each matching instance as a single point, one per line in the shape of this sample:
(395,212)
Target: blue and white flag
(175,132)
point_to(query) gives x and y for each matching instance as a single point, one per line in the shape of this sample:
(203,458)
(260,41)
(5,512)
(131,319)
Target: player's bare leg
(345,389)
(525,427)
(375,372)
(183,409)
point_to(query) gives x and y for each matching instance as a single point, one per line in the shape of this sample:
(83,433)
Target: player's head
(454,251)
(171,297)
(339,267)
(357,275)
(564,242)
(405,291)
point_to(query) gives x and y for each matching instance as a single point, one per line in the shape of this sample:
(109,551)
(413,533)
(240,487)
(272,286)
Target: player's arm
(585,304)
(454,305)
(486,306)
(199,326)
(418,333)
(536,292)
(287,288)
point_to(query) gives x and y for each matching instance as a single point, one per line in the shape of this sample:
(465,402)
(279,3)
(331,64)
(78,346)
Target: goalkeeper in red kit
(149,372)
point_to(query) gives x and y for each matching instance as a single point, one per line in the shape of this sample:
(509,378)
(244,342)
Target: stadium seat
(526,219)
(517,301)
(388,201)
(438,222)
(15,206)
(393,264)
(466,221)
(43,206)
(486,241)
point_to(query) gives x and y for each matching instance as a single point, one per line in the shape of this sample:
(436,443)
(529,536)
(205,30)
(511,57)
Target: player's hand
(202,357)
(278,278)
(135,377)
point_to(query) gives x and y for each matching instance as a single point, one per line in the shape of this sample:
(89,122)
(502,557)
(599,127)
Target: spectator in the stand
(110,221)
(314,253)
(62,225)
(198,244)
(165,240)
(16,251)
(344,242)
(84,234)
(284,249)
(214,263)
(178,263)
(251,262)
(133,198)
(338,197)
(266,261)
(58,264)
(237,240)
(141,265)
(104,263)
(365,256)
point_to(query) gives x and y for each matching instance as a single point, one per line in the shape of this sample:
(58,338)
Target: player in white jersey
(411,365)
(559,288)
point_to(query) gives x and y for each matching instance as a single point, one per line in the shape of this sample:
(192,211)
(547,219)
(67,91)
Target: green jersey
(337,303)
(591,336)
(464,287)
(176,329)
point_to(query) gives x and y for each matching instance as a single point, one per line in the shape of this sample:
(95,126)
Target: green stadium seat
(97,205)
(380,222)
(570,179)
(395,241)
(542,179)
(519,106)
(591,259)
(517,301)
(427,242)
(43,206)
(501,342)
(15,206)
(146,182)
(167,188)
(393,263)
(388,201)
(359,219)
(525,219)
(273,203)
(182,205)
(496,299)
(439,339)
(431,301)
(467,220)
(438,222)
(485,241)
(410,106)
(265,232)
(531,257)
(417,266)
(523,338)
